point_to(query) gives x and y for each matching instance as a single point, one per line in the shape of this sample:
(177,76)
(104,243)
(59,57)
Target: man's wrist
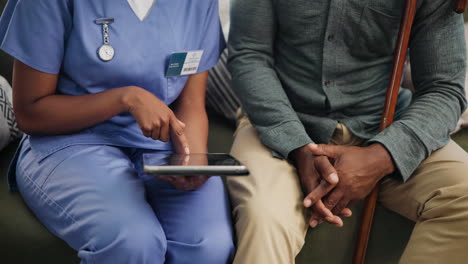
(293,155)
(384,156)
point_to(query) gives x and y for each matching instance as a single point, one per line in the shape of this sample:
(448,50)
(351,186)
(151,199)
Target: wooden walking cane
(399,58)
(388,114)
(460,6)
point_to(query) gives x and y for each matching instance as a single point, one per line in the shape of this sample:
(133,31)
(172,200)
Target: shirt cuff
(285,138)
(404,146)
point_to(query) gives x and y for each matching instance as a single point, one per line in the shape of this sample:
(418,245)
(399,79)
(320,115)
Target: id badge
(184,63)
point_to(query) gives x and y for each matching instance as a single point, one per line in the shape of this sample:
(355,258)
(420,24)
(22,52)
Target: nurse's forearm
(61,114)
(39,110)
(196,128)
(190,109)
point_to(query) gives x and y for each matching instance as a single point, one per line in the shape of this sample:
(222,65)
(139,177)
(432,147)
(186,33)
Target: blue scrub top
(61,37)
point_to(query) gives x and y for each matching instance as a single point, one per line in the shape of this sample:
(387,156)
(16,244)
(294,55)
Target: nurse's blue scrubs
(88,188)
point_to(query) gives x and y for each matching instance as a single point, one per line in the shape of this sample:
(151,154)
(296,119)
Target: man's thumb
(325,150)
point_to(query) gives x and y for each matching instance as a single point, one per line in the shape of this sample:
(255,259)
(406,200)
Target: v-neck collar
(141,8)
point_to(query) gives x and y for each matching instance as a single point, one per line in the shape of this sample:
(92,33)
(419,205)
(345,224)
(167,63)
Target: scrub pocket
(28,163)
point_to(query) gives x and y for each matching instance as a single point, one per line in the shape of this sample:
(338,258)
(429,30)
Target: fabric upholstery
(220,97)
(9,130)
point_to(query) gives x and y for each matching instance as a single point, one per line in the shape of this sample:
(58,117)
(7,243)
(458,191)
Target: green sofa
(24,240)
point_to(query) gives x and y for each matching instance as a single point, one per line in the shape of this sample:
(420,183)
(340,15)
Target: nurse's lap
(84,193)
(87,182)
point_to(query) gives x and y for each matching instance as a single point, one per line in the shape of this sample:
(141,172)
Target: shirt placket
(331,53)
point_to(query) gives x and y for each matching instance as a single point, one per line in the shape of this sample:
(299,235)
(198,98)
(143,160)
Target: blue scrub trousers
(96,198)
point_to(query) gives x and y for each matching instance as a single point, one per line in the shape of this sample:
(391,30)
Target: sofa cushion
(8,128)
(220,98)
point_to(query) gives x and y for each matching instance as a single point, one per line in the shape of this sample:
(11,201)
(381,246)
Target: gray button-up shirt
(301,66)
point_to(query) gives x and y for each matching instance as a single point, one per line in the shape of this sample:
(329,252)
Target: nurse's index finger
(179,136)
(177,126)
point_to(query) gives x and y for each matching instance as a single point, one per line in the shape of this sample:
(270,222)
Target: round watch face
(106,52)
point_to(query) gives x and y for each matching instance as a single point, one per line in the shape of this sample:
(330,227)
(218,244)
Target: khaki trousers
(271,223)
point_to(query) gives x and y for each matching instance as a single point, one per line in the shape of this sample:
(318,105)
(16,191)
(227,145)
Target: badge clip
(104,20)
(106,52)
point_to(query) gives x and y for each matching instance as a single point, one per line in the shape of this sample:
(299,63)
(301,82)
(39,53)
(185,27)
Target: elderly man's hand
(318,177)
(359,170)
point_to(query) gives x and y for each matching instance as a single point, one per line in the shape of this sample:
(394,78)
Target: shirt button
(331,37)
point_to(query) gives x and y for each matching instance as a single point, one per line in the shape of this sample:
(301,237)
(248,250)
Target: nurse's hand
(155,118)
(188,183)
(185,183)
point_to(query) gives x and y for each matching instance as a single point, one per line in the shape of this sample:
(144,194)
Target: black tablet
(207,164)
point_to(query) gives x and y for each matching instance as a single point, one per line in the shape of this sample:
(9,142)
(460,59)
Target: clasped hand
(332,177)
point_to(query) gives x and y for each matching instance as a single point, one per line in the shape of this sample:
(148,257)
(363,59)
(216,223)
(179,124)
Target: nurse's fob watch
(106,51)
